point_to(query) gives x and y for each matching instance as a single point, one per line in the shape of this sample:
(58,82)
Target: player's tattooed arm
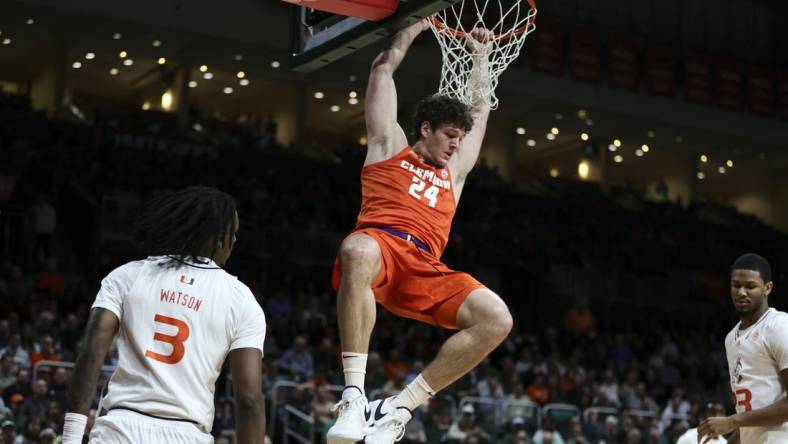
(101,329)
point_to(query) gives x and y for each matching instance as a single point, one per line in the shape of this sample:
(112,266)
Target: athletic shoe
(352,418)
(389,422)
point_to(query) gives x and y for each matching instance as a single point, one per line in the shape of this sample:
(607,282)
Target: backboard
(320,38)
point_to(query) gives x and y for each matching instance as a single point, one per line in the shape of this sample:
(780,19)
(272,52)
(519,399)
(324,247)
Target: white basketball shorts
(127,427)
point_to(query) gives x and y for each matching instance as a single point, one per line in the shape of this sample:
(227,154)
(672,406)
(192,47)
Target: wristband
(74,428)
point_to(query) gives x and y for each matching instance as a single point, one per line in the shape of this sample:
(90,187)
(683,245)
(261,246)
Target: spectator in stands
(576,435)
(70,334)
(21,386)
(15,349)
(517,403)
(47,351)
(593,427)
(642,400)
(54,417)
(5,327)
(676,410)
(17,415)
(376,375)
(47,436)
(38,403)
(9,432)
(465,427)
(538,391)
(59,385)
(395,363)
(579,319)
(298,360)
(490,390)
(396,384)
(415,370)
(322,406)
(610,434)
(49,279)
(415,431)
(8,371)
(548,435)
(44,223)
(32,429)
(515,433)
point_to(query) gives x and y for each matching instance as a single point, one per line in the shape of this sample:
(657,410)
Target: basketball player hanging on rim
(409,197)
(757,351)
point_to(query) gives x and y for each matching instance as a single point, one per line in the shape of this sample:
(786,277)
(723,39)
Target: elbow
(383,63)
(252,405)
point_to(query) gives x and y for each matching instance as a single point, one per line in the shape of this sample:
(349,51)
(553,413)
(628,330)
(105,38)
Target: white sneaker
(352,419)
(389,422)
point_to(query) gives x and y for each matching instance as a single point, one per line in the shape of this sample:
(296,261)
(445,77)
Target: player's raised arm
(101,329)
(479,42)
(249,403)
(384,134)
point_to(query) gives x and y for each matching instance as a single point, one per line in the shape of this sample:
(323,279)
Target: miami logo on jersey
(736,376)
(184,281)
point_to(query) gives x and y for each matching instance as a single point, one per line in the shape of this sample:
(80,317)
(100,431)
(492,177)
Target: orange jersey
(408,195)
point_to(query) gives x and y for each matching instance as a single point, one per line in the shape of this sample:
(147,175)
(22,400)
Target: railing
(602,412)
(275,400)
(293,432)
(65,364)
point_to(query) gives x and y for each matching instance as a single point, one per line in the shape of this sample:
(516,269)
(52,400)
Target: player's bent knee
(485,308)
(359,253)
(499,320)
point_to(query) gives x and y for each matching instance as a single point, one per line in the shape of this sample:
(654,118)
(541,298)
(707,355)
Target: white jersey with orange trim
(756,356)
(178,321)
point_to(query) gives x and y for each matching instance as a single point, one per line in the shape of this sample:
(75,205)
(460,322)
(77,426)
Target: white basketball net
(515,22)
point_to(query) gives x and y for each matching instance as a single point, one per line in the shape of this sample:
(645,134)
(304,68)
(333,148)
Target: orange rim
(507,36)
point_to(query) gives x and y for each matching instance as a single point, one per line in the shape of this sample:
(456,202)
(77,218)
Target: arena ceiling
(253,36)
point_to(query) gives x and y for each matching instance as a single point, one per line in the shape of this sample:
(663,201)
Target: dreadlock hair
(185,223)
(754,262)
(439,109)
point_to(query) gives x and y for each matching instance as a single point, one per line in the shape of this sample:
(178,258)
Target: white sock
(414,394)
(354,365)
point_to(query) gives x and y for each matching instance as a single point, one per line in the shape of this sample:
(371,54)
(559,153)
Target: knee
(359,253)
(501,322)
(489,311)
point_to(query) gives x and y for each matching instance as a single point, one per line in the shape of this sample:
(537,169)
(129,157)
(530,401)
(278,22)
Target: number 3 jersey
(756,355)
(178,321)
(409,195)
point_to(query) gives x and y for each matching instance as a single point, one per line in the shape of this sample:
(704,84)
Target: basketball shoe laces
(344,405)
(397,427)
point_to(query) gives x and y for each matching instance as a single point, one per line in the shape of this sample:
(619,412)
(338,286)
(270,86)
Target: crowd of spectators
(595,355)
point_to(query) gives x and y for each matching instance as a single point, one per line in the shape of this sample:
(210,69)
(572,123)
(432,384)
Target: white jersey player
(177,318)
(757,352)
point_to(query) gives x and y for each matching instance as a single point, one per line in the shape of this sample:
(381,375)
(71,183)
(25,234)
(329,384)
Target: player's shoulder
(777,320)
(237,289)
(129,270)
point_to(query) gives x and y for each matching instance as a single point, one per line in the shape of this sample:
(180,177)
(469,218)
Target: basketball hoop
(510,22)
